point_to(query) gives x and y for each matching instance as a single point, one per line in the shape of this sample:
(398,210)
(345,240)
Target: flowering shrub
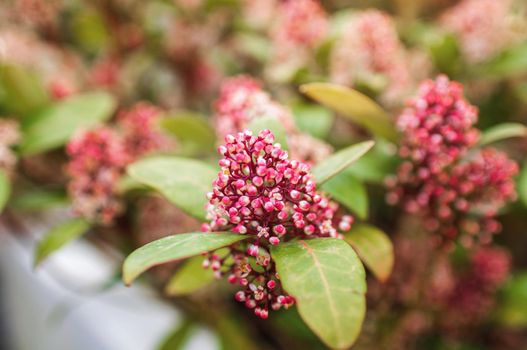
(337,213)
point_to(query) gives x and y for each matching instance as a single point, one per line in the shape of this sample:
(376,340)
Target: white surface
(62,304)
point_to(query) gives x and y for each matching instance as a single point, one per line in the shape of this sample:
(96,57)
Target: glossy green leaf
(192,131)
(327,280)
(349,191)
(313,119)
(189,278)
(35,199)
(512,310)
(54,126)
(374,248)
(59,236)
(522,185)
(184,182)
(22,90)
(173,248)
(353,105)
(273,124)
(502,132)
(339,161)
(5,189)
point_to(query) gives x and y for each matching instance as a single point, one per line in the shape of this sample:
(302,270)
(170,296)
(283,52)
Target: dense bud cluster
(370,52)
(140,130)
(242,100)
(473,296)
(484,27)
(99,156)
(97,162)
(260,192)
(458,192)
(9,136)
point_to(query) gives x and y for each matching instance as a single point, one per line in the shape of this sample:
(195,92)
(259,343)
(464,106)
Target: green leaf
(375,165)
(339,161)
(173,248)
(374,248)
(59,236)
(512,310)
(522,185)
(189,278)
(327,280)
(36,199)
(54,126)
(192,131)
(501,132)
(273,124)
(5,189)
(184,182)
(89,31)
(312,119)
(509,63)
(353,105)
(22,90)
(349,191)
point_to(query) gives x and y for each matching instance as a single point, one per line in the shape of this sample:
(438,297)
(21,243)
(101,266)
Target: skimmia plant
(281,235)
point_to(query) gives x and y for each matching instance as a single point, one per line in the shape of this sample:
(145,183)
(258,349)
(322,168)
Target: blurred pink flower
(370,52)
(97,161)
(484,27)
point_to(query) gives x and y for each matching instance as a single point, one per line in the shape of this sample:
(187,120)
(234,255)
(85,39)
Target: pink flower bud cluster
(98,158)
(242,100)
(370,52)
(484,27)
(261,193)
(9,136)
(458,192)
(474,294)
(140,132)
(301,23)
(97,162)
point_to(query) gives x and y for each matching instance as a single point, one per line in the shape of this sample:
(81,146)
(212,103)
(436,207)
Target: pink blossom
(242,100)
(483,27)
(457,193)
(369,51)
(97,161)
(141,133)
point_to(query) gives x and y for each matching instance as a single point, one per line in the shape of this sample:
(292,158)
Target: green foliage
(501,132)
(89,31)
(189,278)
(355,106)
(375,165)
(509,63)
(36,199)
(173,248)
(193,132)
(522,185)
(55,125)
(5,189)
(327,280)
(58,237)
(184,182)
(374,248)
(178,338)
(513,308)
(339,161)
(21,90)
(349,191)
(312,119)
